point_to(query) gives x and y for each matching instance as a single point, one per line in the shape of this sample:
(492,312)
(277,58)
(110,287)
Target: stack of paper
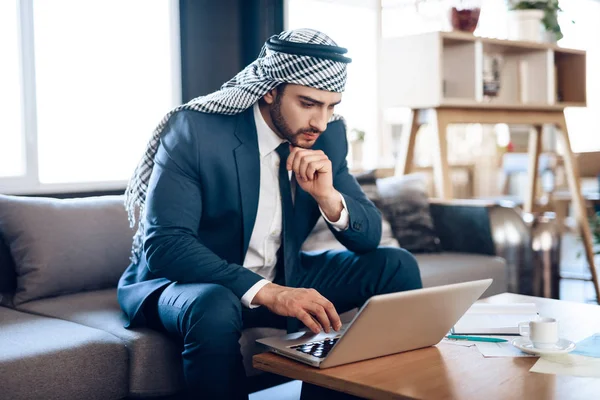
(495,319)
(505,349)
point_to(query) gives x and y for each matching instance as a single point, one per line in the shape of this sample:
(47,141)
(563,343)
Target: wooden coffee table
(449,371)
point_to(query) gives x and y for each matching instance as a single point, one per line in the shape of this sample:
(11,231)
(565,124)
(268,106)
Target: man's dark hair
(280,89)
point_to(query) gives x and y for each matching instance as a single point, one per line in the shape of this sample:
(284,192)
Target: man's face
(300,113)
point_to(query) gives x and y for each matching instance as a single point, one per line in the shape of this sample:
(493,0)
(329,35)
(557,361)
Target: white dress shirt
(266,237)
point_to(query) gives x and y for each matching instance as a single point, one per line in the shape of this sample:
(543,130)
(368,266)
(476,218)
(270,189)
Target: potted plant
(527,17)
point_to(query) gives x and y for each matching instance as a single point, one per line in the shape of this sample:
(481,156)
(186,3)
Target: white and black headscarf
(304,57)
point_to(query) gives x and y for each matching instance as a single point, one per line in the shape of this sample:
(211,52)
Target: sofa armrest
(463,225)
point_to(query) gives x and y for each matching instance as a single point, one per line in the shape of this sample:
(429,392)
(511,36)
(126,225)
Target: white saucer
(561,347)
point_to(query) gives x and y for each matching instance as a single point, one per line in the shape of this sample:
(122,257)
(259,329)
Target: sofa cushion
(46,358)
(464,228)
(65,246)
(403,200)
(445,268)
(8,277)
(154,359)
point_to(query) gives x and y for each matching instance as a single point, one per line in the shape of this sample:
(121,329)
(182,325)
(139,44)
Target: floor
(286,391)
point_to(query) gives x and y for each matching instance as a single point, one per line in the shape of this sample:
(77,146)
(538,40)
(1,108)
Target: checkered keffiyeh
(301,65)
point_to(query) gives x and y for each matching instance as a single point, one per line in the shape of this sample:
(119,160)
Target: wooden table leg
(407,145)
(535,148)
(561,209)
(441,171)
(572,173)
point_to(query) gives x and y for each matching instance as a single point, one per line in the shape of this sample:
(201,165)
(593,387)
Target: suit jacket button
(356,226)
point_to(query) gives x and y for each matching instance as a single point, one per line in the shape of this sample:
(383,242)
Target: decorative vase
(526,25)
(464,15)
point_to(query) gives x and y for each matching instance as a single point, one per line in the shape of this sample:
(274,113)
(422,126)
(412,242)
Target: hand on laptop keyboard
(314,310)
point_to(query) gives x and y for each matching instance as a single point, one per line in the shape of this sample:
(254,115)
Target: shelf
(467,103)
(446,69)
(525,75)
(515,45)
(459,63)
(458,103)
(570,80)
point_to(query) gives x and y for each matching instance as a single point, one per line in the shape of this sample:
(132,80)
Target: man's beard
(283,128)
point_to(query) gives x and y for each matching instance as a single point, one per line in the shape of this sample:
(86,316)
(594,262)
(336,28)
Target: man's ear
(270,96)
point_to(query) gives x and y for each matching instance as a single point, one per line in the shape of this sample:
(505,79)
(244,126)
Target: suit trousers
(208,319)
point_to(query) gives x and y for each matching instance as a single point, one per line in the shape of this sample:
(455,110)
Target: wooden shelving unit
(445,69)
(440,76)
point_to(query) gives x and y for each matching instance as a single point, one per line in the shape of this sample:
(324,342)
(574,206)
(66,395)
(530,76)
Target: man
(230,186)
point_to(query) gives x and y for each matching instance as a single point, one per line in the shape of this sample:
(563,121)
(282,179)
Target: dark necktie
(290,253)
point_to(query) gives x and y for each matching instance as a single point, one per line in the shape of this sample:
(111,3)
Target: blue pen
(477,338)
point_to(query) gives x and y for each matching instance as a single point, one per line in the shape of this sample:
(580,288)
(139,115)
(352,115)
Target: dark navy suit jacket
(202,202)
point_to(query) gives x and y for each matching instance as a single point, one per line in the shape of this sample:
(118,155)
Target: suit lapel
(247,160)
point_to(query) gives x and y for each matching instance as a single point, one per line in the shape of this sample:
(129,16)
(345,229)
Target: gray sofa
(61,329)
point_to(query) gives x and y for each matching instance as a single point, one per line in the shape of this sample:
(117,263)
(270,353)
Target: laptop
(385,324)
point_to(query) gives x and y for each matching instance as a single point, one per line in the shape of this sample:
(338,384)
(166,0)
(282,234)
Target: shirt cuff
(249,295)
(342,223)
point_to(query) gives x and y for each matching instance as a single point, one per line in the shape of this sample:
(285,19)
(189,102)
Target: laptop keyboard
(318,349)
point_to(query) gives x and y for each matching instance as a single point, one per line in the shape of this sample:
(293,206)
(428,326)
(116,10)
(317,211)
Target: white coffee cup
(543,332)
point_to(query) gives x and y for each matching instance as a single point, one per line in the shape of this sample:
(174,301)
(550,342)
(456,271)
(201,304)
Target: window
(352,24)
(103,74)
(12,158)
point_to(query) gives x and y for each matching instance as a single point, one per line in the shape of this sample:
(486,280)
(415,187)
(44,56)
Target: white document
(568,364)
(463,343)
(495,318)
(504,349)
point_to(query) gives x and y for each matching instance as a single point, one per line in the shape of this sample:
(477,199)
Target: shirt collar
(268,140)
